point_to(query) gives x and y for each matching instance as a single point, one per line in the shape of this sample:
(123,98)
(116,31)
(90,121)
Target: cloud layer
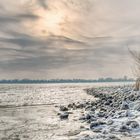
(68,38)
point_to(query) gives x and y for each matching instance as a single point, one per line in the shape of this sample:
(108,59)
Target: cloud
(27,16)
(43,3)
(8,19)
(91,38)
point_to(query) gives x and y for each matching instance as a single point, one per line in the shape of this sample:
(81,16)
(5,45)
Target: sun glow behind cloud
(60,18)
(50,22)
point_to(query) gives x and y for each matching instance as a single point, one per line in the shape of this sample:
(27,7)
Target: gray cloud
(7,19)
(43,3)
(25,40)
(26,16)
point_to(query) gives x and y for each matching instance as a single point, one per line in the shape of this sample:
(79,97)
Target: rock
(101,122)
(116,105)
(103,109)
(82,127)
(137,106)
(4,138)
(93,103)
(111,129)
(93,109)
(120,112)
(112,137)
(70,105)
(128,113)
(63,108)
(108,102)
(124,106)
(14,137)
(101,114)
(111,105)
(88,107)
(124,128)
(26,136)
(64,115)
(88,121)
(94,124)
(133,124)
(88,116)
(125,113)
(79,105)
(93,119)
(110,122)
(97,130)
(87,102)
(132,97)
(104,132)
(73,133)
(69,112)
(82,118)
(17,139)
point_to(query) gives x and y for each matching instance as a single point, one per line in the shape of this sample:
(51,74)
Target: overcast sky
(44,39)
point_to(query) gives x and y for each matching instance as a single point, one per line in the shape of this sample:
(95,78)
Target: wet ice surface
(30,112)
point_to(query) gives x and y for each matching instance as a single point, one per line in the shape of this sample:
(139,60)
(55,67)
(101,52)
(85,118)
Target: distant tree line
(23,81)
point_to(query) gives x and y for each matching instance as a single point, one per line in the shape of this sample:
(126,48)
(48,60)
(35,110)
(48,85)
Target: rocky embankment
(114,114)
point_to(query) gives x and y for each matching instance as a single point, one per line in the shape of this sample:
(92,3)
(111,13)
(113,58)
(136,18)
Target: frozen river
(29,111)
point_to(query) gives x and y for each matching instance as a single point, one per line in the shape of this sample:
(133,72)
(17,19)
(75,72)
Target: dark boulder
(124,106)
(132,124)
(124,128)
(63,108)
(64,115)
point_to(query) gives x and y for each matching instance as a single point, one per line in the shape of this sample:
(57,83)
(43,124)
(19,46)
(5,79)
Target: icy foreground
(29,112)
(67,112)
(114,115)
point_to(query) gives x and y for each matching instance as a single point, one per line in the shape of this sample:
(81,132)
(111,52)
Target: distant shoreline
(61,82)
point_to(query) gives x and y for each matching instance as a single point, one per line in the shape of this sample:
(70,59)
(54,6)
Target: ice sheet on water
(37,122)
(19,95)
